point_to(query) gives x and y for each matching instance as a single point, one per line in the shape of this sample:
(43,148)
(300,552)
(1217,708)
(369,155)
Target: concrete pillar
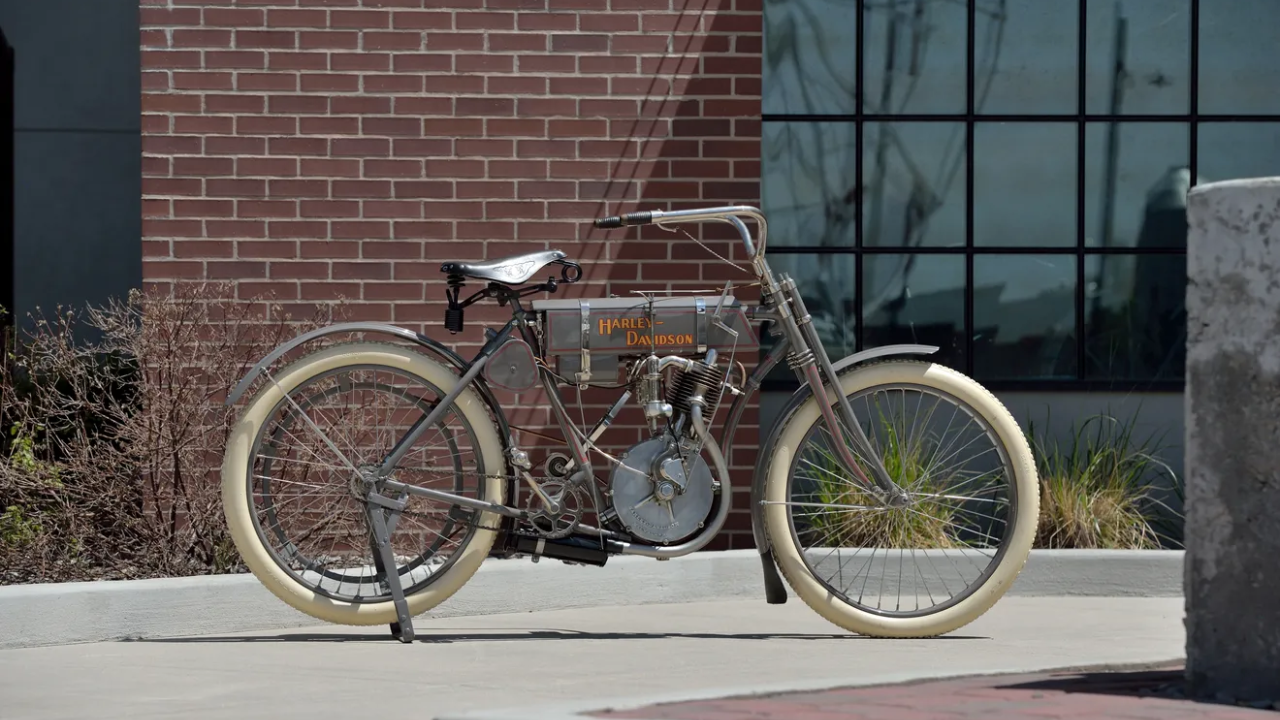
(1233,440)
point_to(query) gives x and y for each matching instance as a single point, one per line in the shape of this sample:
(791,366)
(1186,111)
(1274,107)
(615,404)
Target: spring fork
(894,494)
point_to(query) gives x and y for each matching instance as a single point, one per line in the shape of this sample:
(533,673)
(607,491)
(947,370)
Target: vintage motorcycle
(366,482)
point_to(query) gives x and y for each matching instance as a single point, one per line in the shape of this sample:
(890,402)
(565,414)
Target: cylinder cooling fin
(700,379)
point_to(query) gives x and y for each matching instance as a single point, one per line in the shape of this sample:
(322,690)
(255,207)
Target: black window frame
(1080,251)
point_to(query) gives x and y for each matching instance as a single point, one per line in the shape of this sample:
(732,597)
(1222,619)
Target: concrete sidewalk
(560,663)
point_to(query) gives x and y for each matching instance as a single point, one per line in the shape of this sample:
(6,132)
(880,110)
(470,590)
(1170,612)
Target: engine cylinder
(700,379)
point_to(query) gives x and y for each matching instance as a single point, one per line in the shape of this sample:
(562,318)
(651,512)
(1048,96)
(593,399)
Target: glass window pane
(915,299)
(1024,318)
(1135,317)
(1025,56)
(913,184)
(810,57)
(1024,184)
(1154,73)
(913,57)
(808,183)
(1228,151)
(827,284)
(1239,57)
(1149,179)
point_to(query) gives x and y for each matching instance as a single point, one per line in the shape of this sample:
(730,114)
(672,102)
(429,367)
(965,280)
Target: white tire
(828,604)
(237,503)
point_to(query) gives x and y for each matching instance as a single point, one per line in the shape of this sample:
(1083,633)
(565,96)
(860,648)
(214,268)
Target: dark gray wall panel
(77,63)
(78,219)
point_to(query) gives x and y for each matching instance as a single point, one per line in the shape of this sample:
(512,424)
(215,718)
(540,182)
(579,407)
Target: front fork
(809,357)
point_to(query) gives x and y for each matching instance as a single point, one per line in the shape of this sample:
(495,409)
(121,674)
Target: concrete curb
(576,710)
(65,613)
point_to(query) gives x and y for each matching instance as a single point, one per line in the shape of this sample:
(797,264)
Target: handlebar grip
(616,221)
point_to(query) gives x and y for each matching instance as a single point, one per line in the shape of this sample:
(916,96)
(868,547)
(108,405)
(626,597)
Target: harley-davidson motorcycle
(365,482)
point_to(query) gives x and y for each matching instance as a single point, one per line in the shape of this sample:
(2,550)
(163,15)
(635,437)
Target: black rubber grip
(616,221)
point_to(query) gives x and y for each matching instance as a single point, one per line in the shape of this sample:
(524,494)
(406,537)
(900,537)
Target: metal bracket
(701,308)
(584,372)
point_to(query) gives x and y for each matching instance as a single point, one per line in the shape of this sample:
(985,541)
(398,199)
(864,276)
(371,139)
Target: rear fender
(449,356)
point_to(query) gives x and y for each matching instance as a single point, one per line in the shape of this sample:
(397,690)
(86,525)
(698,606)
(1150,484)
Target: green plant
(1102,489)
(16,529)
(927,524)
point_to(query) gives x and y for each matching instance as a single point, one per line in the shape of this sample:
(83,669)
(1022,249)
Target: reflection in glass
(1024,184)
(810,57)
(1227,151)
(1131,171)
(913,57)
(1024,319)
(1153,73)
(1025,56)
(913,184)
(915,299)
(1239,56)
(808,183)
(1135,317)
(827,284)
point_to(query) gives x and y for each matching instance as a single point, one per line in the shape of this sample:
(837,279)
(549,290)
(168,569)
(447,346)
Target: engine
(663,489)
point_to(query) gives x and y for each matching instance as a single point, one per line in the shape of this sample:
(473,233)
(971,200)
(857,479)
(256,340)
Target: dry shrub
(111,448)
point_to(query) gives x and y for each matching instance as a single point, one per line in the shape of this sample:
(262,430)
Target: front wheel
(945,557)
(293,493)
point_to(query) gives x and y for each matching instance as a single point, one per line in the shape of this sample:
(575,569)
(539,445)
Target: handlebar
(729,214)
(617,221)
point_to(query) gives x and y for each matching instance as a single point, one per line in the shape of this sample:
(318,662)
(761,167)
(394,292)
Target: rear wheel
(952,551)
(294,499)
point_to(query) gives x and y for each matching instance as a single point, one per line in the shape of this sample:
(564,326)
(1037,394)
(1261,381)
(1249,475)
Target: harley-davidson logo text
(608,325)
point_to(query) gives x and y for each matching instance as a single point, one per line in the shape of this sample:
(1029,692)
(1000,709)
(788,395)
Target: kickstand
(385,561)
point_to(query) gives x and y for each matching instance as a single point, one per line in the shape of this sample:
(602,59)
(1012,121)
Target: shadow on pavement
(1167,683)
(506,636)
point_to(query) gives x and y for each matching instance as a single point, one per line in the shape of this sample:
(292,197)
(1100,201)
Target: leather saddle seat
(513,270)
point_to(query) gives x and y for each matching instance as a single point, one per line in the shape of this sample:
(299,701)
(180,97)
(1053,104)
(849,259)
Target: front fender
(793,403)
(451,357)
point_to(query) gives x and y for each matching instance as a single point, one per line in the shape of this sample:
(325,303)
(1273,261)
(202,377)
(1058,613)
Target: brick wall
(317,149)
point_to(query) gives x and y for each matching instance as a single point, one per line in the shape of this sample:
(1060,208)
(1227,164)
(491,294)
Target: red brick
(235,145)
(329,209)
(421,106)
(423,189)
(328,40)
(421,20)
(546,148)
(297,229)
(203,249)
(544,22)
(300,104)
(392,291)
(361,105)
(329,291)
(201,38)
(235,103)
(233,17)
(547,64)
(235,229)
(392,83)
(235,270)
(484,148)
(361,188)
(273,81)
(172,145)
(360,61)
(329,125)
(518,169)
(451,41)
(298,146)
(392,41)
(419,147)
(393,168)
(392,250)
(361,147)
(271,167)
(377,19)
(326,167)
(362,270)
(484,189)
(168,60)
(235,187)
(292,18)
(391,209)
(315,82)
(436,168)
(517,42)
(203,166)
(279,209)
(453,127)
(267,249)
(266,39)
